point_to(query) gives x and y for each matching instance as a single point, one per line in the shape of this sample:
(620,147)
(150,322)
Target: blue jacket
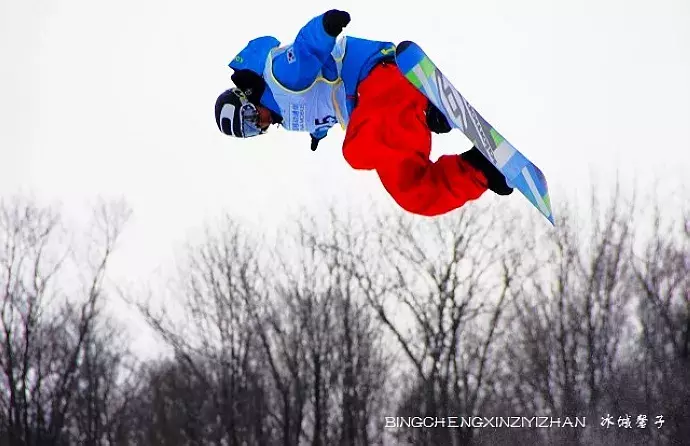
(312,48)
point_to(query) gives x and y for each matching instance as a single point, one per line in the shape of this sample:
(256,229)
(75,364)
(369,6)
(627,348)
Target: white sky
(116,98)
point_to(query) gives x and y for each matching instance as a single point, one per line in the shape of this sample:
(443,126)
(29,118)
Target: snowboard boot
(496,182)
(436,120)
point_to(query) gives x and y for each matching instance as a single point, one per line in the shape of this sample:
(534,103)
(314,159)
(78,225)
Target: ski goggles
(249,117)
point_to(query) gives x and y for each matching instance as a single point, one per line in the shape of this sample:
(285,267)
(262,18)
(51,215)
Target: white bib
(316,108)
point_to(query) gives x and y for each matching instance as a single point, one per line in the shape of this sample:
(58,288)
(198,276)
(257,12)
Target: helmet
(236,116)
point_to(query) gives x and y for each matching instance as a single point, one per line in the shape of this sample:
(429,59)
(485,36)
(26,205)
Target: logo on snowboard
(456,104)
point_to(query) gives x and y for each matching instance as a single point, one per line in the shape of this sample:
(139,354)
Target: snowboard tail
(519,171)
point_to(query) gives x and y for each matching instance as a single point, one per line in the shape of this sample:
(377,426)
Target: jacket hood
(253,58)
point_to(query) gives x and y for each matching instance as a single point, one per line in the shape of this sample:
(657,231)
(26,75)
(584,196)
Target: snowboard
(520,172)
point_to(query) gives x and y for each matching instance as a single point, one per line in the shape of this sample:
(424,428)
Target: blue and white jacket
(312,82)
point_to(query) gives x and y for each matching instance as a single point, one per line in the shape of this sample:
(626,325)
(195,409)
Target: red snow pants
(388,133)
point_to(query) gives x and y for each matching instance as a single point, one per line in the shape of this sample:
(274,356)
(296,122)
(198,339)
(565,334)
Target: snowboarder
(317,81)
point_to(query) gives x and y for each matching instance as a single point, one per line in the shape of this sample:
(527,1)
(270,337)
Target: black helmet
(236,116)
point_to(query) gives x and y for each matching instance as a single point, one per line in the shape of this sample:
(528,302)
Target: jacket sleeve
(298,66)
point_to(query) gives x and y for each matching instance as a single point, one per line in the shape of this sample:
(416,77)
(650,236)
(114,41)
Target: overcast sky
(116,98)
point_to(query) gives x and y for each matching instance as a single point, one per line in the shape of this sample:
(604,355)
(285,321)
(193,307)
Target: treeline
(317,336)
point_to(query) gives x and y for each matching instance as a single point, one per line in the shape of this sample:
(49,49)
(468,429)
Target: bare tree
(662,372)
(214,340)
(573,319)
(345,357)
(315,338)
(174,406)
(109,379)
(46,333)
(284,340)
(440,288)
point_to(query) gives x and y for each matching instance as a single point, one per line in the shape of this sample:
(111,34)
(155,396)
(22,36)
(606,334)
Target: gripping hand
(315,142)
(334,21)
